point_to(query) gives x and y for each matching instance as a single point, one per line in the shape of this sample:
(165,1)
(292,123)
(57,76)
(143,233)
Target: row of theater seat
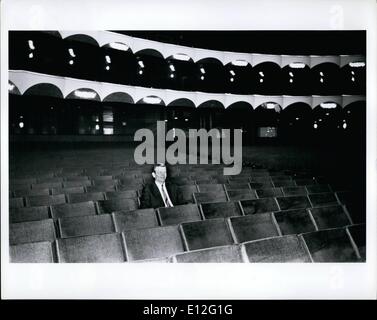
(199,222)
(182,244)
(79,212)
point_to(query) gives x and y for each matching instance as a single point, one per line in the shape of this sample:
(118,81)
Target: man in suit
(160,193)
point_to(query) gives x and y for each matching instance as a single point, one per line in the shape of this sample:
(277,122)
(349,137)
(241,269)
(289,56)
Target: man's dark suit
(151,197)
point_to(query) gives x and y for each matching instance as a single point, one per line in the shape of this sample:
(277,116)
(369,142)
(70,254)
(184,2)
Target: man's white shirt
(160,186)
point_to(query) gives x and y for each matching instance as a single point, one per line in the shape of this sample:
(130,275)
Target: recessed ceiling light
(152,100)
(118,46)
(297,65)
(240,63)
(181,56)
(357,64)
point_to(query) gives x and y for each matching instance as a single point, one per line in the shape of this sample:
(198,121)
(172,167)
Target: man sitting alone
(160,193)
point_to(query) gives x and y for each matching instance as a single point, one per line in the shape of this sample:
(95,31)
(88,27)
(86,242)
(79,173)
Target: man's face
(160,174)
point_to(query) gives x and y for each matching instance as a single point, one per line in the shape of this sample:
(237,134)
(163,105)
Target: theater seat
(253,227)
(85,197)
(259,185)
(73,209)
(135,219)
(91,189)
(211,187)
(35,201)
(318,188)
(237,186)
(77,183)
(330,217)
(187,192)
(85,225)
(237,195)
(203,197)
(305,182)
(16,203)
(179,214)
(28,214)
(31,231)
(294,191)
(206,234)
(293,202)
(150,243)
(269,192)
(128,194)
(294,221)
(67,190)
(279,249)
(284,183)
(323,199)
(36,252)
(46,185)
(97,248)
(259,206)
(117,204)
(227,254)
(332,245)
(220,209)
(31,192)
(358,235)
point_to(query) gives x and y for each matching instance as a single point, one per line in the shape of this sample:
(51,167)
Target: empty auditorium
(277,173)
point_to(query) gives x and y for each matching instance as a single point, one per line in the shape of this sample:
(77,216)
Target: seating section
(203,197)
(76,212)
(220,210)
(85,225)
(179,214)
(293,202)
(206,234)
(135,219)
(294,221)
(117,204)
(28,214)
(150,243)
(214,255)
(330,245)
(279,249)
(97,248)
(259,206)
(32,231)
(73,209)
(253,227)
(330,217)
(36,252)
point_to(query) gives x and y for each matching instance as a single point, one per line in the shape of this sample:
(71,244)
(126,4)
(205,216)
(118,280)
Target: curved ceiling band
(104,38)
(101,91)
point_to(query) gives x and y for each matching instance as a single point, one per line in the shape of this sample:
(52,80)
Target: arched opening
(44,89)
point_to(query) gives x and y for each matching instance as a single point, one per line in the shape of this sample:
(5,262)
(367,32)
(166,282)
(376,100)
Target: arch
(44,89)
(326,65)
(150,52)
(269,64)
(83,38)
(268,106)
(119,97)
(182,102)
(152,99)
(84,93)
(240,105)
(213,104)
(12,88)
(298,107)
(210,60)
